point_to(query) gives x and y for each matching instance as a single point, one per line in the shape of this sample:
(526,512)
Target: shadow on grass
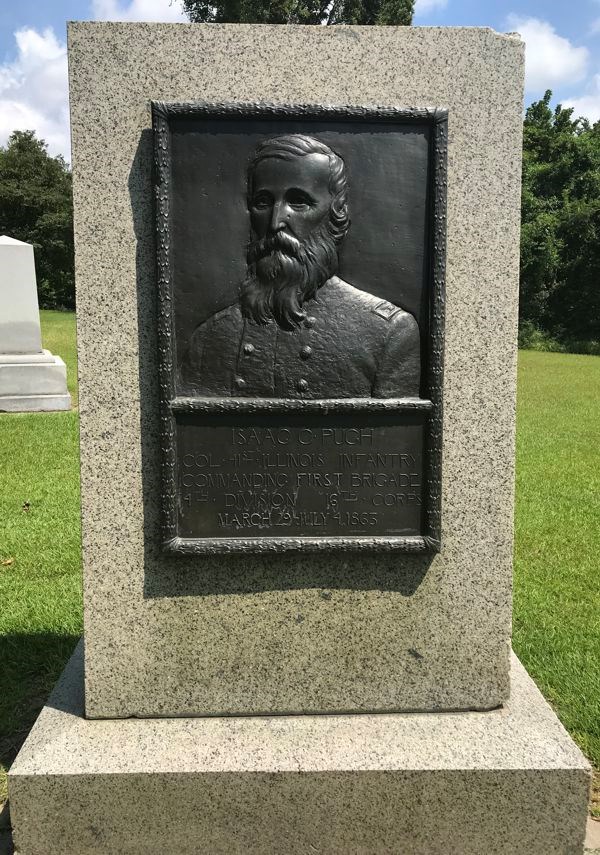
(30,664)
(6,841)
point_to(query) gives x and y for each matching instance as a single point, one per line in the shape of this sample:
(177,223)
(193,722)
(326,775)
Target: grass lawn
(40,554)
(557,585)
(557,549)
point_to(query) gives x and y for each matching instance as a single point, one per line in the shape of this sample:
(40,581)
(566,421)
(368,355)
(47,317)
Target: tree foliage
(36,206)
(300,11)
(560,239)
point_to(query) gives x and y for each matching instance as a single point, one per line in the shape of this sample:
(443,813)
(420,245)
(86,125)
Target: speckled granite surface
(282,633)
(499,782)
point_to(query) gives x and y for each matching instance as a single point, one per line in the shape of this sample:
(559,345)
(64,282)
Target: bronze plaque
(300,269)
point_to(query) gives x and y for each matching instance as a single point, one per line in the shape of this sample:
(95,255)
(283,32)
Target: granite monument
(248,691)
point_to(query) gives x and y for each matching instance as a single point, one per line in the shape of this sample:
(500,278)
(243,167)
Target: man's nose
(278,217)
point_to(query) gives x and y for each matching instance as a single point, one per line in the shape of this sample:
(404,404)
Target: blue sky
(562,49)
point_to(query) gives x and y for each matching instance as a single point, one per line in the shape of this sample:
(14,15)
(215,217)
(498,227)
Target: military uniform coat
(351,344)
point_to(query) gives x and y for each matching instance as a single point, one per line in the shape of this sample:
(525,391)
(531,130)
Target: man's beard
(285,273)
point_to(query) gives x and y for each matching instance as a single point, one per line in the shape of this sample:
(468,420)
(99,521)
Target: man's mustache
(278,242)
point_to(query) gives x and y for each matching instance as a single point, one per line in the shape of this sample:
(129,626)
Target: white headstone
(19,310)
(31,379)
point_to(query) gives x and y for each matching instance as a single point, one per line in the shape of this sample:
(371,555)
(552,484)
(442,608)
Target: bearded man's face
(292,252)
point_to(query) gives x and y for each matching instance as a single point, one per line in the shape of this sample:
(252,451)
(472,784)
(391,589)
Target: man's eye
(299,201)
(261,203)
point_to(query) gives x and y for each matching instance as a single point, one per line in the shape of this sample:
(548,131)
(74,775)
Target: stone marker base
(33,382)
(506,781)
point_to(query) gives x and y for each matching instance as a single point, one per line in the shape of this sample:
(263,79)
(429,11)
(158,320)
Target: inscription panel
(328,477)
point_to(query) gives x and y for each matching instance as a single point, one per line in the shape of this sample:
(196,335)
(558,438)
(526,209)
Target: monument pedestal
(31,379)
(33,382)
(505,781)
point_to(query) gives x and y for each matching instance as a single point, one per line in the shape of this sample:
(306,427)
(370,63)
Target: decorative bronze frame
(171,405)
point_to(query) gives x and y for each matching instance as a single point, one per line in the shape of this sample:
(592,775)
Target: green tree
(560,237)
(36,206)
(300,11)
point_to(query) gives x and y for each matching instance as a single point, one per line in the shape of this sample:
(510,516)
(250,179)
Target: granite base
(505,781)
(33,383)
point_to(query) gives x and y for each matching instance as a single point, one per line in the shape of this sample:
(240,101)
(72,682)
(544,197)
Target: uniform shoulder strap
(386,310)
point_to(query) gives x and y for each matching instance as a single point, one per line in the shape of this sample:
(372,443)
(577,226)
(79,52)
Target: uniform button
(249,348)
(302,385)
(239,382)
(310,321)
(305,352)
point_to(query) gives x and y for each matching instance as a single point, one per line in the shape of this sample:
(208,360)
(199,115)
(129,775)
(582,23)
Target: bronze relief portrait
(298,330)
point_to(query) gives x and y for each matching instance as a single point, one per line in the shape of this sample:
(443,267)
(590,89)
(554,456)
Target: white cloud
(587,105)
(138,10)
(34,86)
(550,59)
(424,7)
(33,90)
